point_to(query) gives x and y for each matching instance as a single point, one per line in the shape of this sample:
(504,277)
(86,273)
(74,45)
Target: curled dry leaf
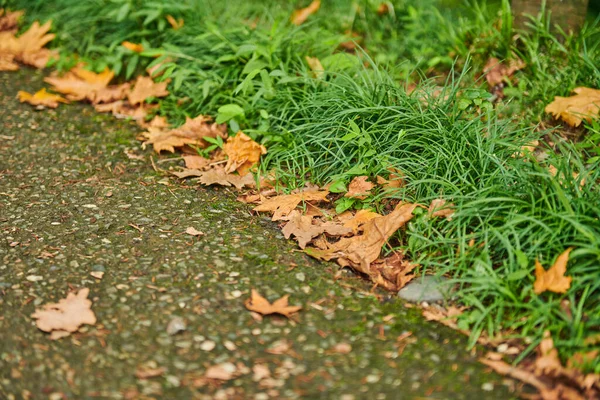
(282,206)
(122,109)
(585,105)
(242,153)
(301,15)
(259,304)
(145,88)
(439,208)
(359,188)
(553,279)
(67,315)
(41,98)
(192,132)
(196,162)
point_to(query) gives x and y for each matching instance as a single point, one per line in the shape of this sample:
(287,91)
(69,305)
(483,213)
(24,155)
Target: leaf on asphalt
(145,88)
(554,279)
(121,109)
(359,188)
(439,208)
(356,221)
(79,83)
(584,105)
(191,133)
(301,226)
(242,153)
(315,66)
(301,15)
(9,20)
(497,72)
(193,231)
(29,47)
(218,176)
(259,304)
(135,47)
(282,206)
(149,371)
(41,98)
(67,315)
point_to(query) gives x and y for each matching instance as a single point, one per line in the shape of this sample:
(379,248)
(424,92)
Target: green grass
(245,64)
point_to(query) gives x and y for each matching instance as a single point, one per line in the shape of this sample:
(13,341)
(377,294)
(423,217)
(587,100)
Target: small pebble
(176,325)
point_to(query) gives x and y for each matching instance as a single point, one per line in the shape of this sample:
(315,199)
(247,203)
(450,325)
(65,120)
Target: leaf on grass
(145,88)
(301,15)
(497,72)
(439,208)
(191,133)
(554,279)
(315,66)
(242,153)
(359,188)
(67,315)
(395,180)
(135,47)
(41,98)
(259,304)
(585,105)
(282,206)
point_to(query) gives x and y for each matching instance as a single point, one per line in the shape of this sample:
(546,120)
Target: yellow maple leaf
(41,98)
(585,105)
(553,279)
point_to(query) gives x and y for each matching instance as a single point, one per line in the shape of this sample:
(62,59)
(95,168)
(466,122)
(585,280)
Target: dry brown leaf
(41,98)
(585,105)
(196,162)
(522,375)
(315,66)
(193,231)
(301,15)
(355,222)
(191,133)
(439,208)
(553,279)
(147,372)
(497,72)
(112,93)
(359,188)
(282,206)
(218,176)
(395,270)
(67,315)
(301,226)
(259,304)
(79,84)
(28,48)
(242,153)
(145,88)
(135,47)
(121,109)
(175,23)
(9,20)
(7,62)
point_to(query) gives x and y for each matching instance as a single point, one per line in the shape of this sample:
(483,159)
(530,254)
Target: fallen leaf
(67,315)
(193,231)
(242,153)
(135,47)
(221,372)
(302,228)
(79,83)
(28,48)
(218,176)
(439,208)
(145,88)
(191,133)
(97,274)
(9,20)
(356,221)
(7,63)
(196,162)
(497,72)
(359,188)
(585,105)
(553,279)
(301,15)
(259,304)
(41,98)
(315,66)
(147,372)
(121,109)
(175,23)
(283,205)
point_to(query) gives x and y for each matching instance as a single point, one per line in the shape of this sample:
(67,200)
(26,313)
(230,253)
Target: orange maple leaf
(242,153)
(259,304)
(144,88)
(553,279)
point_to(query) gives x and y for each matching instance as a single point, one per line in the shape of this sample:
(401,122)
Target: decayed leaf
(41,98)
(135,47)
(242,153)
(585,105)
(79,84)
(144,88)
(175,23)
(394,270)
(282,205)
(192,133)
(439,208)
(553,279)
(300,16)
(359,188)
(9,20)
(315,66)
(259,304)
(360,251)
(496,72)
(67,315)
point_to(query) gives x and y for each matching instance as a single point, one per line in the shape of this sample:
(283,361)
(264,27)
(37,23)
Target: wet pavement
(78,195)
